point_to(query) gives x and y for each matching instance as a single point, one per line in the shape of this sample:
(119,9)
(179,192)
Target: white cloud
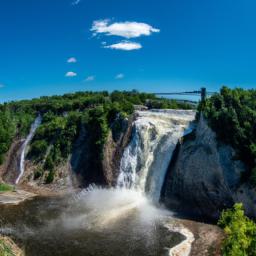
(72,60)
(71,74)
(119,76)
(90,78)
(76,2)
(125,46)
(125,29)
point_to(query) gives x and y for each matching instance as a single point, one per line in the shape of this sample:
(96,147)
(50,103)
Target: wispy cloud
(72,60)
(76,2)
(125,29)
(90,78)
(125,46)
(119,76)
(71,74)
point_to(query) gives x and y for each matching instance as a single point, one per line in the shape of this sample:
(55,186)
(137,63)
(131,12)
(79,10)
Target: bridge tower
(203,94)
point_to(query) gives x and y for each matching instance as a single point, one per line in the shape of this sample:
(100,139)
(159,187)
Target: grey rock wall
(204,178)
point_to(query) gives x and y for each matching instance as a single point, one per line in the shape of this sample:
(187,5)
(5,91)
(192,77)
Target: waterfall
(145,160)
(30,136)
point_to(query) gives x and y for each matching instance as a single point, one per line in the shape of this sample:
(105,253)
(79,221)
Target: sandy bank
(15,197)
(200,239)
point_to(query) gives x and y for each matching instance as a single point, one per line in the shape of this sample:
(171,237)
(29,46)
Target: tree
(232,115)
(240,231)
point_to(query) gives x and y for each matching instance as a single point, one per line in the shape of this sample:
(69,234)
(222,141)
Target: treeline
(232,115)
(62,120)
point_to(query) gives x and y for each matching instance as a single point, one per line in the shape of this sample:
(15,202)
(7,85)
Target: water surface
(72,227)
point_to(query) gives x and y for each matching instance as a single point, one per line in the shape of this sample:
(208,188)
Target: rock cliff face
(9,171)
(203,177)
(83,162)
(104,172)
(117,140)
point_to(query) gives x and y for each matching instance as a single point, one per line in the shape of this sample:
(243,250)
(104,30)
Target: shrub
(253,177)
(38,173)
(240,231)
(50,177)
(38,148)
(5,250)
(5,187)
(49,164)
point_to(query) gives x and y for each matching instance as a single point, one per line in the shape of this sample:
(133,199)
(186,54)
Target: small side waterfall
(145,160)
(30,136)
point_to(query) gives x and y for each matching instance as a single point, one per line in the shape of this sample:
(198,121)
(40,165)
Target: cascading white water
(30,136)
(145,160)
(142,171)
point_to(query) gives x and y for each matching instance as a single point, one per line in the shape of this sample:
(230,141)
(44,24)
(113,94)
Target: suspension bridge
(202,92)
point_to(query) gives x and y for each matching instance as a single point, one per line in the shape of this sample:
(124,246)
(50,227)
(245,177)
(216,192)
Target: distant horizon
(194,98)
(51,47)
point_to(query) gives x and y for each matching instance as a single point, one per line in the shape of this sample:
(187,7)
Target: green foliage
(38,149)
(49,163)
(253,177)
(5,250)
(232,115)
(98,128)
(5,187)
(50,177)
(7,132)
(38,173)
(240,231)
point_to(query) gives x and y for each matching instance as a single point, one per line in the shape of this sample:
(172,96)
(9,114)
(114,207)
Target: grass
(5,187)
(5,250)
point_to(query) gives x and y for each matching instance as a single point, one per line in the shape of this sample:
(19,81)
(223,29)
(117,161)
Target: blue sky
(149,45)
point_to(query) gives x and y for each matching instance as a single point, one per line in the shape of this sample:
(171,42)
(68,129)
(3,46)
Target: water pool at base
(68,227)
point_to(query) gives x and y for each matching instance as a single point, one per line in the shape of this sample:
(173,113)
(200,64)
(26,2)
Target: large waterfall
(115,221)
(146,159)
(30,136)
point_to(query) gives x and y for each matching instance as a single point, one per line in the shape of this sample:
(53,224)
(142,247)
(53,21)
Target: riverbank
(15,197)
(200,239)
(207,238)
(183,248)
